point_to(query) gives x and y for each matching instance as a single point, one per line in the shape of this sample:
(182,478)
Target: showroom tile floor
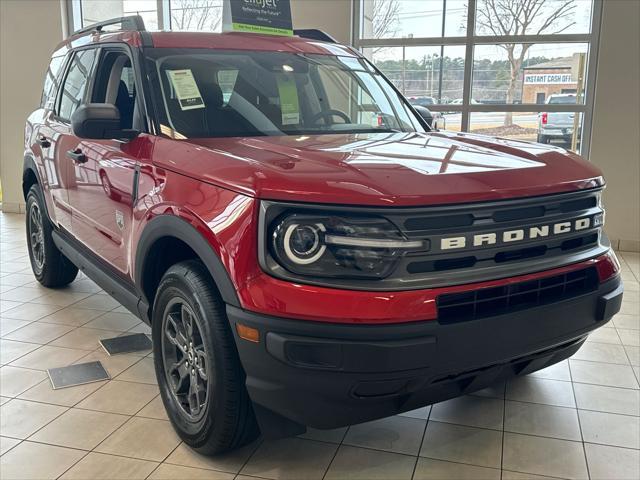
(577,419)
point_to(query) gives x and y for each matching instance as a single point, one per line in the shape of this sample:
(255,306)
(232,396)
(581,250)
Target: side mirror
(426,115)
(99,121)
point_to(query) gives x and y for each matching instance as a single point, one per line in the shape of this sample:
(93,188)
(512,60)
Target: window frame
(471,40)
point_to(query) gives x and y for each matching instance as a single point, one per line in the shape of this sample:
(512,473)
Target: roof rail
(315,34)
(132,22)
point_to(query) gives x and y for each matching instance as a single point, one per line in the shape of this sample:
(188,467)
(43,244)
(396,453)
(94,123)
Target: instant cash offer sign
(258,16)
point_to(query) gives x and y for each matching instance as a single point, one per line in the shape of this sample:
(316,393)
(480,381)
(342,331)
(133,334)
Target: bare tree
(521,17)
(196,14)
(384,19)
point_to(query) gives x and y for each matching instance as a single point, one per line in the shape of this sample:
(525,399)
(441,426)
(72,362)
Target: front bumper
(327,375)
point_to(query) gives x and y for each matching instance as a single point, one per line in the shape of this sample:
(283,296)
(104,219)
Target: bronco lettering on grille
(515,235)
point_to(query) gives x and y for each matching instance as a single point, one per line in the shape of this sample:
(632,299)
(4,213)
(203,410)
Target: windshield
(204,93)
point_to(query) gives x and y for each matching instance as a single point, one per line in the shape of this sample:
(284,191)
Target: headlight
(337,246)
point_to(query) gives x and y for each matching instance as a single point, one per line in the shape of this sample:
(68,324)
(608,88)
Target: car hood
(396,169)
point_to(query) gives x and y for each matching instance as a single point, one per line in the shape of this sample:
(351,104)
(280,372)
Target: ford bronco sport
(306,251)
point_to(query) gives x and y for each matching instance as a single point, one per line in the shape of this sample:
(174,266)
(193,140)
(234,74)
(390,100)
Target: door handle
(77,156)
(43,141)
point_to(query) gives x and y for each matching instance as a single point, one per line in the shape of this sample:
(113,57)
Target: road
(491,119)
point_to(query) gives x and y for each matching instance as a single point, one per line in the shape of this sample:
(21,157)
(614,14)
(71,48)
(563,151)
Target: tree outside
(198,15)
(521,17)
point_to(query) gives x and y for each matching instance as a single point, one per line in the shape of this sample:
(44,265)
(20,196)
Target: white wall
(331,16)
(615,139)
(29,31)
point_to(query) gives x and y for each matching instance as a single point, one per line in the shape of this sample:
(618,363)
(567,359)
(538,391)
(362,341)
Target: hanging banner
(257,16)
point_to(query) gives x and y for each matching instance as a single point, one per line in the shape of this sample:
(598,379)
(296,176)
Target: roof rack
(315,34)
(132,22)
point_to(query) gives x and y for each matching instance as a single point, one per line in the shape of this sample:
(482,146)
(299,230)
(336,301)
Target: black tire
(50,267)
(543,139)
(225,420)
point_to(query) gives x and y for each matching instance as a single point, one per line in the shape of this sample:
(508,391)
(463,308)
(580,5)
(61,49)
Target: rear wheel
(50,267)
(199,373)
(543,138)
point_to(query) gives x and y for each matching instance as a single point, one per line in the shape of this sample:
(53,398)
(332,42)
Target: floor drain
(79,374)
(126,344)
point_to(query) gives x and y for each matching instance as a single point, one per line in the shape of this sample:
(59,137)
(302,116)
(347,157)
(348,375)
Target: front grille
(438,265)
(485,302)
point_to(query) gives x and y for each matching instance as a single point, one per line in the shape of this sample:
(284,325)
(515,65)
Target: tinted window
(51,81)
(75,83)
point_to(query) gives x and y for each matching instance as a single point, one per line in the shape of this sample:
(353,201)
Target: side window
(114,83)
(127,78)
(75,83)
(51,82)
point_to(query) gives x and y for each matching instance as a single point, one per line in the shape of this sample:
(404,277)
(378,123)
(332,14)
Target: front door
(105,170)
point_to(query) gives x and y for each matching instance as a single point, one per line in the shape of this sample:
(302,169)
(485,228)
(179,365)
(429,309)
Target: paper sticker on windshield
(289,105)
(186,89)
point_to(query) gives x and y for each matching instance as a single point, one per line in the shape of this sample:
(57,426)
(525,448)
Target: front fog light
(304,243)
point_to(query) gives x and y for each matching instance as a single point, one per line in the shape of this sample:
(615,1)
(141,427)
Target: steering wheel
(328,114)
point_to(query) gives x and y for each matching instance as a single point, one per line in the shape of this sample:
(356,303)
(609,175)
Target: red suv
(305,250)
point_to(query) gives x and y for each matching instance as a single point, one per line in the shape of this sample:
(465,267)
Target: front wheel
(197,366)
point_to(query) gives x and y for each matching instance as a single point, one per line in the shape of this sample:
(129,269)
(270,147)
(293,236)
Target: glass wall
(93,11)
(486,65)
(196,15)
(522,69)
(181,15)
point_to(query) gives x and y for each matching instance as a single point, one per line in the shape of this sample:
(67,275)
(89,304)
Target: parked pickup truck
(302,262)
(557,125)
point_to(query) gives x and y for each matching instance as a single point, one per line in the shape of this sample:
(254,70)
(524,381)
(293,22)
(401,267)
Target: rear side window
(75,83)
(51,82)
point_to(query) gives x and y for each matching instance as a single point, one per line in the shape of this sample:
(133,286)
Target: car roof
(217,41)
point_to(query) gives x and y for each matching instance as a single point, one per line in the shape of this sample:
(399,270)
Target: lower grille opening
(486,302)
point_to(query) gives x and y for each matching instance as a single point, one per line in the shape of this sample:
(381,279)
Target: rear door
(106,173)
(57,136)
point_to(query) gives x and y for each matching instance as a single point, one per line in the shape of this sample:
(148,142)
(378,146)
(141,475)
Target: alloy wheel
(185,359)
(36,236)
